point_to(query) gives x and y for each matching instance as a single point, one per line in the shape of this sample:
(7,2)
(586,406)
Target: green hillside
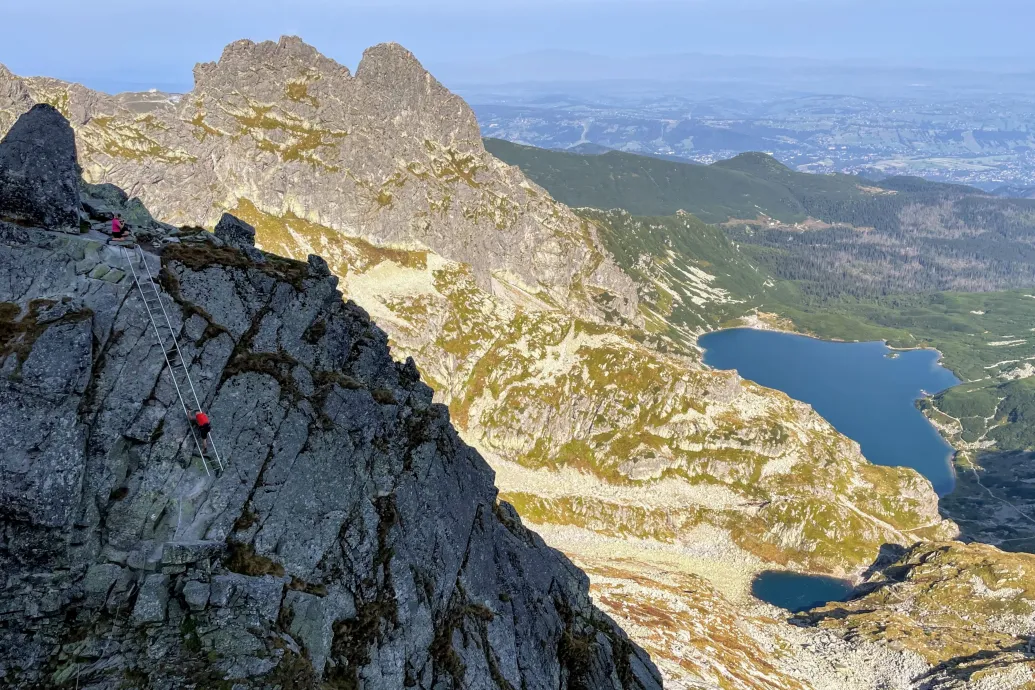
(691,278)
(741,188)
(647,186)
(800,185)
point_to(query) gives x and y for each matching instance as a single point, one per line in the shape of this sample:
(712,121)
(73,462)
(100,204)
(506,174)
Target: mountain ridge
(610,438)
(309,118)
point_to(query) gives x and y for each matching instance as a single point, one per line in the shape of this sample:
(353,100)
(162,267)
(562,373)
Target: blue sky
(116,44)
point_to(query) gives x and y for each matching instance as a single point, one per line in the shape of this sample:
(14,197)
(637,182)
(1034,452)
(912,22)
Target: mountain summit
(613,441)
(389,155)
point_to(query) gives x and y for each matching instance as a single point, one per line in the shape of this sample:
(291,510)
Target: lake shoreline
(786,365)
(754,322)
(762,321)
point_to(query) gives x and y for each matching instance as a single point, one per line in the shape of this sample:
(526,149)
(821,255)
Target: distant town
(986,142)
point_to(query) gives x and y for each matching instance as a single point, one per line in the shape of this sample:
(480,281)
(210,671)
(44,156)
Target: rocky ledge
(353,540)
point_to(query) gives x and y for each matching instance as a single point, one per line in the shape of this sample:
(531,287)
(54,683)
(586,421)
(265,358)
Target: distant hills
(1014,192)
(742,188)
(834,235)
(646,186)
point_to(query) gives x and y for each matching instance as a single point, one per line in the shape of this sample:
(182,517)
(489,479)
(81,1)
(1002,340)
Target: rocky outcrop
(352,540)
(39,175)
(389,155)
(15,98)
(239,235)
(235,232)
(968,611)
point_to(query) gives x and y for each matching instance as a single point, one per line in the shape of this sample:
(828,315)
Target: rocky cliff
(351,541)
(966,611)
(388,155)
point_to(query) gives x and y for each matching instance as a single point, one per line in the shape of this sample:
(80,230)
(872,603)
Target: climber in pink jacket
(118,227)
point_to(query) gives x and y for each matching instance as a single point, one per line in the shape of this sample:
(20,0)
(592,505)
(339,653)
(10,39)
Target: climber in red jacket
(204,428)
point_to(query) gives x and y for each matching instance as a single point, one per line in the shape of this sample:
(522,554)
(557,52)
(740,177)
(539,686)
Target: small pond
(796,592)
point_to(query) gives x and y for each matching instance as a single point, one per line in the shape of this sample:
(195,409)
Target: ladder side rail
(179,352)
(172,331)
(172,373)
(215,451)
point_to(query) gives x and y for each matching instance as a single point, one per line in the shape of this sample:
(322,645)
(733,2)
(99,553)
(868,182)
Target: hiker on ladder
(204,428)
(166,335)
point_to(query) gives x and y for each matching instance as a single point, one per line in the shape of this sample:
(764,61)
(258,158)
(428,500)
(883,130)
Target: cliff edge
(353,540)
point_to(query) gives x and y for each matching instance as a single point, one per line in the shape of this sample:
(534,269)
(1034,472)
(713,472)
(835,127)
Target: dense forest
(903,243)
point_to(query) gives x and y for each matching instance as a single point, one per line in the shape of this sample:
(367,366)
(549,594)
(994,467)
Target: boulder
(39,176)
(196,594)
(102,201)
(235,232)
(318,265)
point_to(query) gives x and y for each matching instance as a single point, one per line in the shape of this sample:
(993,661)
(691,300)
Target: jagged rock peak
(39,176)
(390,84)
(14,98)
(7,77)
(290,52)
(396,72)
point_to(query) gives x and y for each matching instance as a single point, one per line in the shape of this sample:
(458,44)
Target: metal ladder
(170,349)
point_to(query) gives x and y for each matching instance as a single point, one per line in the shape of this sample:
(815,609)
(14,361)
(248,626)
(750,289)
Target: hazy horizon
(137,46)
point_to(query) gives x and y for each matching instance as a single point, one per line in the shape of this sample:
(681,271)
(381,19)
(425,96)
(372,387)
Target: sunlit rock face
(388,155)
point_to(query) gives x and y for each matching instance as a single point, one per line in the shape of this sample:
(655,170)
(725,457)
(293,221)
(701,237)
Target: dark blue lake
(796,592)
(867,395)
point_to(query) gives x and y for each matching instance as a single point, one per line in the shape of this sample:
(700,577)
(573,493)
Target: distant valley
(916,263)
(986,140)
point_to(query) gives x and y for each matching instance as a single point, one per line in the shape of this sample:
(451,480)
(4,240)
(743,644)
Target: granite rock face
(39,175)
(389,155)
(353,539)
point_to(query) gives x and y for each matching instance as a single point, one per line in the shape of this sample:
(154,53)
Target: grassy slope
(970,329)
(692,278)
(647,186)
(801,185)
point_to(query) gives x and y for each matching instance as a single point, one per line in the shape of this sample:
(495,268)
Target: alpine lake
(868,392)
